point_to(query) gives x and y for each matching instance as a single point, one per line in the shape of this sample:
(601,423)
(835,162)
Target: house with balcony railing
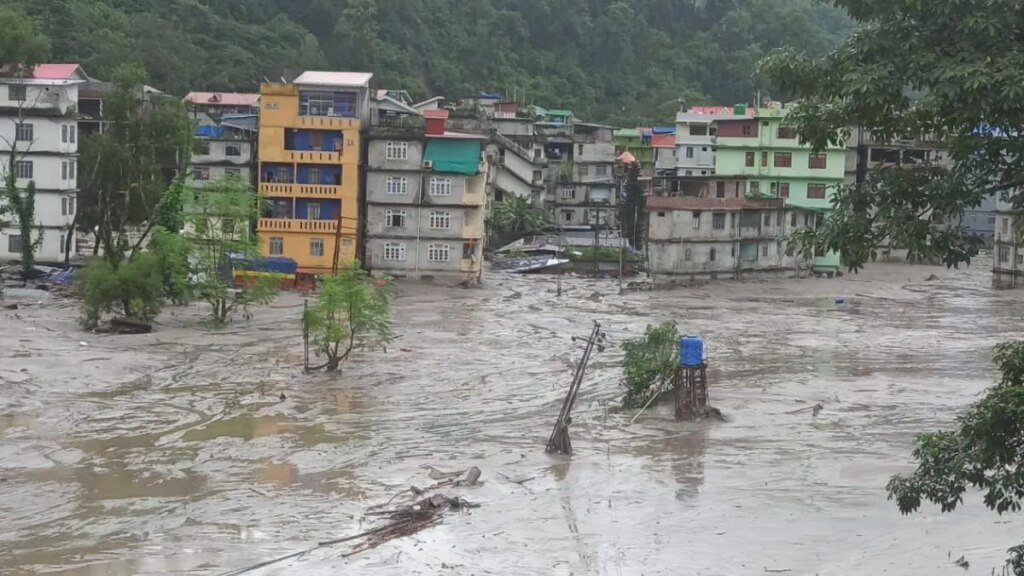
(309,157)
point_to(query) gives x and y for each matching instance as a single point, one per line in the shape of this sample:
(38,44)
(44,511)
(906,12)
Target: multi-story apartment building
(225,137)
(426,200)
(309,162)
(765,151)
(39,121)
(581,190)
(707,238)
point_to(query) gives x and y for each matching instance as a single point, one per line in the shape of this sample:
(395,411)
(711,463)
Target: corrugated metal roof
(323,78)
(663,141)
(730,204)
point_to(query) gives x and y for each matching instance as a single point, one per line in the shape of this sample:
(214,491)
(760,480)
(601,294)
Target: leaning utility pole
(559,441)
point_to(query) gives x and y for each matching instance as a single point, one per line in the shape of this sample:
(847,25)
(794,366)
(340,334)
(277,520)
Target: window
(71,206)
(17,93)
(64,170)
(469,249)
(817,161)
(440,220)
(718,221)
(787,132)
(315,103)
(568,215)
(14,243)
(720,189)
(396,185)
(1020,258)
(747,130)
(537,176)
(783,190)
(711,255)
(783,159)
(816,191)
(687,255)
(1004,251)
(792,220)
(698,129)
(394,218)
(440,186)
(313,211)
(394,251)
(316,247)
(438,252)
(750,159)
(227,226)
(696,220)
(232,150)
(63,206)
(71,170)
(764,250)
(201,174)
(778,219)
(661,214)
(1006,225)
(601,170)
(23,169)
(64,133)
(568,193)
(73,131)
(313,175)
(233,172)
(63,239)
(396,150)
(689,151)
(584,170)
(689,172)
(991,219)
(755,188)
(24,132)
(276,246)
(767,219)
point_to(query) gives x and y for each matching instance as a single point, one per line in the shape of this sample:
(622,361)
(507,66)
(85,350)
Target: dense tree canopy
(613,60)
(945,71)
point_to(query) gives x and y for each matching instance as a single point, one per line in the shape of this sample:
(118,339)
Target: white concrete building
(708,238)
(1007,252)
(39,119)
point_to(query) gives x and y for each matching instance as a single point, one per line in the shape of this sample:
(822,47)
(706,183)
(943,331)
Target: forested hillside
(612,60)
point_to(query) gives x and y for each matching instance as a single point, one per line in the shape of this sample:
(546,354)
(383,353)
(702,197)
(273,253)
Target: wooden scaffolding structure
(691,386)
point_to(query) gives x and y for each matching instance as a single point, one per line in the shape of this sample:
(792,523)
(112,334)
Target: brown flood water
(171,453)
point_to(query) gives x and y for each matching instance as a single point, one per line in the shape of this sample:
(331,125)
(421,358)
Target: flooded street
(173,453)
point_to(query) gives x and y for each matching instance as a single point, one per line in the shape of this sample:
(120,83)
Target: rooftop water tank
(691,352)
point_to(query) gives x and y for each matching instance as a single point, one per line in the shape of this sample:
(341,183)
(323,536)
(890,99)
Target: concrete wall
(377,155)
(218,152)
(417,263)
(40,96)
(376,187)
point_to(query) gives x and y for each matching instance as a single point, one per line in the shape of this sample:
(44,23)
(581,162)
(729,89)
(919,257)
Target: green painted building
(766,152)
(632,140)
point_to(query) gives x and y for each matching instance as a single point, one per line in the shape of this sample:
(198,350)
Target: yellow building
(309,157)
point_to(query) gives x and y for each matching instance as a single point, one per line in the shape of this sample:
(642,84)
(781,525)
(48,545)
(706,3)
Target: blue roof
(664,129)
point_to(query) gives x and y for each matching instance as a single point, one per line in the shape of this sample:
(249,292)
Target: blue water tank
(691,351)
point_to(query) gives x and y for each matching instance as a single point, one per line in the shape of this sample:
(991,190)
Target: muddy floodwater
(175,452)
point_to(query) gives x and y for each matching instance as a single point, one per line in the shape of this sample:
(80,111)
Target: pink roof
(663,141)
(222,98)
(57,71)
(627,158)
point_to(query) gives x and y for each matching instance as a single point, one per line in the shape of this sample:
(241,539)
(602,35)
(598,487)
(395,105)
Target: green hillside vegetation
(617,61)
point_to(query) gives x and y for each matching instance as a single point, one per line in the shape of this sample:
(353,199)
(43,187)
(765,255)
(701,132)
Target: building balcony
(309,156)
(327,122)
(301,190)
(293,225)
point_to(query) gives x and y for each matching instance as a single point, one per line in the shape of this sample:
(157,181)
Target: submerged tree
(217,229)
(649,362)
(133,289)
(352,312)
(632,212)
(949,72)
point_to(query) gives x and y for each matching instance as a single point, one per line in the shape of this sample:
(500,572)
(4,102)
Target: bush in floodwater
(134,288)
(649,362)
(352,312)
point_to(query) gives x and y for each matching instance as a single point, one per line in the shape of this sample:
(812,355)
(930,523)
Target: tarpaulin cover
(456,156)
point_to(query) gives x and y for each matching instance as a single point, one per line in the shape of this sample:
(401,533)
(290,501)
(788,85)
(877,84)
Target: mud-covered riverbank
(173,453)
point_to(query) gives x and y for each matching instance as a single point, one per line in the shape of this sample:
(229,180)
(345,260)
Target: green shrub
(649,363)
(134,289)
